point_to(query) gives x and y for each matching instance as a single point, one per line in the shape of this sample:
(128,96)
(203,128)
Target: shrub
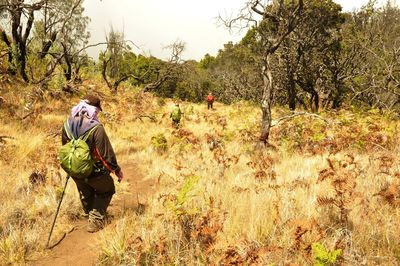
(324,257)
(159,142)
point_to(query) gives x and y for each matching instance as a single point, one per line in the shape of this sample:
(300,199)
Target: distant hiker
(97,189)
(210,101)
(176,115)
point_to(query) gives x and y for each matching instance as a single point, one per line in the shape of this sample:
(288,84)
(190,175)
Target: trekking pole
(58,209)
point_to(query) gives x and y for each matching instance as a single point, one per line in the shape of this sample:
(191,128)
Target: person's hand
(120,175)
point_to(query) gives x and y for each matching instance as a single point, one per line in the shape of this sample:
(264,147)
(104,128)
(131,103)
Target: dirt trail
(80,247)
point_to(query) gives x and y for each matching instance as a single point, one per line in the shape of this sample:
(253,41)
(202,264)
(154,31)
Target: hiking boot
(84,215)
(96,221)
(94,226)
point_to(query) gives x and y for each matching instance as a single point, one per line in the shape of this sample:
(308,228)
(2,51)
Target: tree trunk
(47,45)
(266,102)
(20,39)
(22,62)
(314,101)
(104,72)
(291,86)
(68,63)
(290,65)
(68,71)
(339,92)
(5,39)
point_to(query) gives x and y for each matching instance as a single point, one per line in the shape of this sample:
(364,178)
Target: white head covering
(82,108)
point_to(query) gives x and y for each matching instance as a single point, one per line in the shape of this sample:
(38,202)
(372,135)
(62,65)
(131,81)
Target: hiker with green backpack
(176,115)
(88,157)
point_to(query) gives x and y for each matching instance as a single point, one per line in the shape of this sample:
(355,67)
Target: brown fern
(343,179)
(300,228)
(385,164)
(263,166)
(330,164)
(325,201)
(231,257)
(390,195)
(325,174)
(206,228)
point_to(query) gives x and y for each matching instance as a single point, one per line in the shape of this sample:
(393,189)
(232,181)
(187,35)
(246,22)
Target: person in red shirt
(210,101)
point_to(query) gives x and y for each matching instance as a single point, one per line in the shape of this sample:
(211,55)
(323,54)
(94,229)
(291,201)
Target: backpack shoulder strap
(87,134)
(68,130)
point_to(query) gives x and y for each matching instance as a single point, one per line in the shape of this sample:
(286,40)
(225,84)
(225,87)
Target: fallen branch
(284,118)
(3,138)
(54,134)
(27,115)
(151,117)
(379,146)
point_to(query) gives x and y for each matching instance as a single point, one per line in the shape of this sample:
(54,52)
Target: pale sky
(154,24)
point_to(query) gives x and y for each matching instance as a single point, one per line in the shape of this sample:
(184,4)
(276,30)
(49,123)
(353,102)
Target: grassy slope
(231,204)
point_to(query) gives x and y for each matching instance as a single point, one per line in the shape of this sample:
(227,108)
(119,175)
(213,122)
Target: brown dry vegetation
(219,201)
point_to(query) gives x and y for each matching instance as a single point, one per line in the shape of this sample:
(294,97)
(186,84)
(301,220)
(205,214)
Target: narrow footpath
(80,247)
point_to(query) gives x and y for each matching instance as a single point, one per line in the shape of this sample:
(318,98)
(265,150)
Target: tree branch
(285,118)
(104,72)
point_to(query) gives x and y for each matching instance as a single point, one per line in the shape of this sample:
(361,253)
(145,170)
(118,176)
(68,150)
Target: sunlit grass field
(326,191)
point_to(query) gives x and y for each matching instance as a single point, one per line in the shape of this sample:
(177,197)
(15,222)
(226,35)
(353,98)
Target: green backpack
(176,113)
(75,157)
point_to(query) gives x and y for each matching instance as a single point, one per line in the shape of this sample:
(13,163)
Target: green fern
(184,194)
(324,257)
(159,142)
(187,187)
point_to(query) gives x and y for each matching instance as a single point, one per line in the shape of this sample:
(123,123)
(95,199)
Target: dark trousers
(209,105)
(175,123)
(96,192)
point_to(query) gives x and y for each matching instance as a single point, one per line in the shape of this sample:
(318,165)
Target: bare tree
(115,68)
(278,19)
(58,24)
(378,38)
(60,18)
(171,69)
(22,16)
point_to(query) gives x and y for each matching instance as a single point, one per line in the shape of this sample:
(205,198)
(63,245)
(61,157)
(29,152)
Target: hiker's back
(95,190)
(76,153)
(176,113)
(80,126)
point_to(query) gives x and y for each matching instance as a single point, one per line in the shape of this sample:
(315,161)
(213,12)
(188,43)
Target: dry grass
(219,201)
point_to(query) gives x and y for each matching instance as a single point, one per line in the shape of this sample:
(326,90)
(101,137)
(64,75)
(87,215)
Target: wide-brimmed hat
(93,100)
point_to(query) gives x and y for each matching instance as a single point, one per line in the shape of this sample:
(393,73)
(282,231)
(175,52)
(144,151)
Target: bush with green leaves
(323,256)
(159,142)
(185,193)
